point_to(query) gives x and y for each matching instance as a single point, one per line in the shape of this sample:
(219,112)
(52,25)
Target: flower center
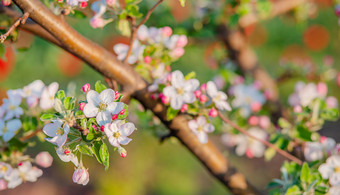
(116,135)
(59,132)
(102,106)
(12,107)
(4,169)
(337,170)
(199,128)
(248,100)
(180,91)
(51,98)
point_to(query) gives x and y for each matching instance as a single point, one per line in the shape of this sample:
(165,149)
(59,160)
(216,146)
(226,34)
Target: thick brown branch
(277,149)
(20,20)
(278,8)
(107,64)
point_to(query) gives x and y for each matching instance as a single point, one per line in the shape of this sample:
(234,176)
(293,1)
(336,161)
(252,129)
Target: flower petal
(8,136)
(189,97)
(169,91)
(176,102)
(115,107)
(50,128)
(202,137)
(107,96)
(191,85)
(211,89)
(92,97)
(124,140)
(103,118)
(13,125)
(177,79)
(193,125)
(126,129)
(90,110)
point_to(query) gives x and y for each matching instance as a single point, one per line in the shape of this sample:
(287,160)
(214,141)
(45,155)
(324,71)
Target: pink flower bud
(337,10)
(3,184)
(111,2)
(213,112)
(83,4)
(86,87)
(160,95)
(332,102)
(256,106)
(322,89)
(20,164)
(44,159)
(117,95)
(168,78)
(6,2)
(249,153)
(168,68)
(95,127)
(147,59)
(253,120)
(203,99)
(97,22)
(102,128)
(184,108)
(297,109)
(81,176)
(204,87)
(114,117)
(166,31)
(257,85)
(153,96)
(82,106)
(323,139)
(165,100)
(67,152)
(122,111)
(264,122)
(182,41)
(198,93)
(122,152)
(177,52)
(268,94)
(60,1)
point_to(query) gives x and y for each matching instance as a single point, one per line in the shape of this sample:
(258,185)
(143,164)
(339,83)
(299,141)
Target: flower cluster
(80,127)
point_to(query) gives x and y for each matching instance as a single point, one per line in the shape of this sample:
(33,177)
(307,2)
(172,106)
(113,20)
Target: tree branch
(20,20)
(108,65)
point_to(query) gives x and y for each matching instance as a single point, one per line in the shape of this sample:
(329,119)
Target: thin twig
(134,29)
(21,20)
(277,149)
(34,133)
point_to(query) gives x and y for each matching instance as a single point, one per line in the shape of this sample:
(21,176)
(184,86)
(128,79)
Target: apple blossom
(330,170)
(58,131)
(32,92)
(12,105)
(332,102)
(218,97)
(322,89)
(213,112)
(317,150)
(181,91)
(203,99)
(24,172)
(44,159)
(334,190)
(47,97)
(304,94)
(66,155)
(122,152)
(5,169)
(75,2)
(6,2)
(81,176)
(136,53)
(102,106)
(184,108)
(118,132)
(253,120)
(264,122)
(147,59)
(166,31)
(82,106)
(9,128)
(201,127)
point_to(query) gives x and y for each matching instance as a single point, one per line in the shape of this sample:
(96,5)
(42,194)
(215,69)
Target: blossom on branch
(201,127)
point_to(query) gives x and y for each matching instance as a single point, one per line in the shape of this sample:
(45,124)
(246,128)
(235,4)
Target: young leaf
(304,173)
(191,75)
(60,94)
(96,150)
(182,2)
(47,117)
(104,155)
(171,113)
(100,86)
(91,133)
(85,149)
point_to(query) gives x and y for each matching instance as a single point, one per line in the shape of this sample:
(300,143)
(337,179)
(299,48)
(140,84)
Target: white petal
(103,118)
(201,120)
(124,140)
(326,170)
(53,88)
(169,91)
(92,97)
(176,102)
(209,128)
(223,105)
(202,137)
(126,129)
(191,85)
(107,96)
(49,129)
(61,140)
(90,110)
(211,89)
(334,180)
(113,141)
(115,107)
(189,97)
(13,125)
(193,125)
(241,149)
(177,79)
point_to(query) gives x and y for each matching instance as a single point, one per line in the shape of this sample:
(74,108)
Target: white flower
(57,132)
(335,190)
(218,97)
(118,131)
(11,105)
(32,92)
(250,146)
(304,94)
(5,169)
(155,85)
(245,96)
(81,176)
(74,2)
(152,34)
(47,96)
(66,155)
(331,170)
(136,52)
(9,129)
(201,127)
(24,172)
(316,150)
(181,91)
(102,106)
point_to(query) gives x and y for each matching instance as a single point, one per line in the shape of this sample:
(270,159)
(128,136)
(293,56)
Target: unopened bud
(81,176)
(122,152)
(86,87)
(82,106)
(184,108)
(114,117)
(44,159)
(213,112)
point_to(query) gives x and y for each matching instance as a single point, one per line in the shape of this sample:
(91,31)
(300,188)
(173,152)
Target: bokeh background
(152,167)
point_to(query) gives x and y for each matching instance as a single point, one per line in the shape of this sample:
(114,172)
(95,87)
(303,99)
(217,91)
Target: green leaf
(60,94)
(79,114)
(304,173)
(96,150)
(104,155)
(29,123)
(304,133)
(133,11)
(77,14)
(269,154)
(83,123)
(171,113)
(85,149)
(91,133)
(191,75)
(330,114)
(2,51)
(58,105)
(294,190)
(67,103)
(47,117)
(99,86)
(16,145)
(284,123)
(182,2)
(124,27)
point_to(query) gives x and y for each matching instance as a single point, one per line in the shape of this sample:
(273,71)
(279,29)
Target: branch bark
(108,65)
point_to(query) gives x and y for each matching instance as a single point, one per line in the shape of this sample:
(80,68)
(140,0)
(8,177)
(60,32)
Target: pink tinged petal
(92,97)
(189,97)
(176,102)
(113,141)
(126,129)
(223,105)
(90,110)
(115,107)
(209,128)
(201,120)
(193,125)
(169,91)
(32,101)
(177,79)
(103,118)
(107,96)
(37,87)
(202,137)
(221,95)
(108,130)
(191,85)
(53,88)
(49,129)
(45,101)
(25,167)
(334,161)
(211,89)
(124,140)
(142,33)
